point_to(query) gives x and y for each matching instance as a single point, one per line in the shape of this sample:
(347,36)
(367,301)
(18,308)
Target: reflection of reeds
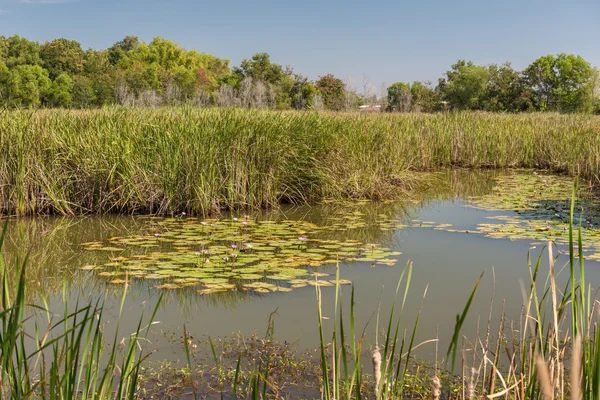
(200,160)
(64,357)
(56,254)
(53,245)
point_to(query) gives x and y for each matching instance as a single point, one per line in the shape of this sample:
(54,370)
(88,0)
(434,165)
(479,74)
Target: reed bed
(198,161)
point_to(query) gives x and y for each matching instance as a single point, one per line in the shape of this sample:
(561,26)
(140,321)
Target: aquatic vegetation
(200,161)
(533,207)
(278,255)
(218,255)
(72,358)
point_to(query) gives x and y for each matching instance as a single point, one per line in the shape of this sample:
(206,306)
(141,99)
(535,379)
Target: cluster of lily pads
(279,255)
(217,255)
(535,207)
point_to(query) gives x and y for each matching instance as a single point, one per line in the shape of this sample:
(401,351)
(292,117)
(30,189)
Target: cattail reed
(576,369)
(436,388)
(376,357)
(544,378)
(471,387)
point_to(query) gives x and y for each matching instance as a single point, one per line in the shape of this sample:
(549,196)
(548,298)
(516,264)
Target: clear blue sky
(386,40)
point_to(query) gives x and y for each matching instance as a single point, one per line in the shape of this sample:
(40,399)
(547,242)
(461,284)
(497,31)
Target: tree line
(60,73)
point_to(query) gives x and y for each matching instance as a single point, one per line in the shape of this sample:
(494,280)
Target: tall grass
(197,160)
(63,357)
(552,352)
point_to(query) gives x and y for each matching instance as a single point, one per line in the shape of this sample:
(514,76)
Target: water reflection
(448,262)
(52,244)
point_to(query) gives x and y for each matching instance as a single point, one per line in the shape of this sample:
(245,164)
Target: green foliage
(141,76)
(507,91)
(465,85)
(260,67)
(72,359)
(302,93)
(62,55)
(424,98)
(97,62)
(399,96)
(562,83)
(195,160)
(59,93)
(28,85)
(19,51)
(5,77)
(3,48)
(333,91)
(185,80)
(119,50)
(83,95)
(158,73)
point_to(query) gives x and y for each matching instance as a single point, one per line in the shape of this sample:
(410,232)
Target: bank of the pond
(177,160)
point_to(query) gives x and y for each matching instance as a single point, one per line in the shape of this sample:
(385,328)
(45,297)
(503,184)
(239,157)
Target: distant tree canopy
(60,73)
(562,83)
(333,91)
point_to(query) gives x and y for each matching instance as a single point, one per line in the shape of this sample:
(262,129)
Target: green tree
(561,83)
(5,77)
(104,89)
(506,91)
(260,67)
(83,93)
(184,83)
(59,92)
(159,51)
(62,55)
(302,93)
(97,62)
(3,49)
(332,90)
(19,51)
(28,86)
(141,76)
(118,51)
(424,98)
(595,86)
(464,86)
(399,97)
(263,72)
(165,67)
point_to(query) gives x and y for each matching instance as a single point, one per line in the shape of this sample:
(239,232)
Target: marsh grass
(47,356)
(173,160)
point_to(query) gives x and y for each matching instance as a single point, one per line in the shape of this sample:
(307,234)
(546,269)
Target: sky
(385,41)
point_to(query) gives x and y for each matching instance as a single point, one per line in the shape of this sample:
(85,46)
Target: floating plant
(217,255)
(533,206)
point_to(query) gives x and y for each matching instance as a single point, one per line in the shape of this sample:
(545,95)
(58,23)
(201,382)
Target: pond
(225,276)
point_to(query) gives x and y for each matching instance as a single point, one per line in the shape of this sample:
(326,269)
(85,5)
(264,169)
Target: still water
(445,233)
